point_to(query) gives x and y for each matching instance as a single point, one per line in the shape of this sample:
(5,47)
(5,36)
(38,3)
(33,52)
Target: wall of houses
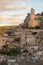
(26,38)
(3,40)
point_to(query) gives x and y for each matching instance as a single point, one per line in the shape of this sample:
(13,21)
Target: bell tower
(32,11)
(32,22)
(32,15)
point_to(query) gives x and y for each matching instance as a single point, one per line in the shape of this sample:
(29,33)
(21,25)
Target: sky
(13,12)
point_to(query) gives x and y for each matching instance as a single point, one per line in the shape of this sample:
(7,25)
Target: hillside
(4,29)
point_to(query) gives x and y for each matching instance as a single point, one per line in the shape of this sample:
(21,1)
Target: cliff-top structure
(33,20)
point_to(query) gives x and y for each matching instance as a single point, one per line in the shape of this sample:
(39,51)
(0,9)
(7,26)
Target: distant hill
(4,29)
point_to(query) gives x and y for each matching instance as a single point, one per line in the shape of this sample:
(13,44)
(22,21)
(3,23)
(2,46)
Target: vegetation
(34,33)
(37,27)
(25,51)
(4,29)
(17,39)
(5,48)
(12,52)
(42,14)
(9,33)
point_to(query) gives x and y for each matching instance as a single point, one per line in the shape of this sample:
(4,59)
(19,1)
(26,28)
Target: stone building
(32,20)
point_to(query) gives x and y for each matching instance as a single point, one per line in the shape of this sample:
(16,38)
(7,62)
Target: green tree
(37,27)
(34,33)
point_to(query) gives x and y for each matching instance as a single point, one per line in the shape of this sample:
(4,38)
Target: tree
(34,33)
(14,51)
(17,39)
(37,27)
(25,51)
(9,33)
(38,14)
(41,13)
(5,48)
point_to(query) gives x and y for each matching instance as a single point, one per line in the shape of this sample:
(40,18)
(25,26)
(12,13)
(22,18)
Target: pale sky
(13,12)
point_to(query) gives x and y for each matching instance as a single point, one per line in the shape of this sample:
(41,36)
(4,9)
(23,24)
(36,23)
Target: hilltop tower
(32,11)
(32,15)
(31,20)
